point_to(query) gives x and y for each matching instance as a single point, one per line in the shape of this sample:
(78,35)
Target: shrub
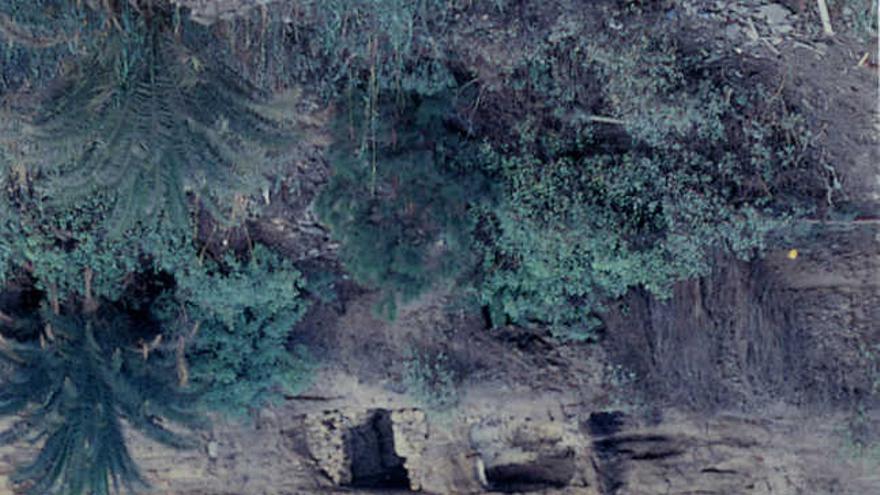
(146,127)
(146,124)
(53,250)
(430,380)
(633,163)
(243,312)
(35,35)
(397,201)
(634,188)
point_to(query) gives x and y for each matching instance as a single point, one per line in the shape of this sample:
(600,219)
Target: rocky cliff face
(600,453)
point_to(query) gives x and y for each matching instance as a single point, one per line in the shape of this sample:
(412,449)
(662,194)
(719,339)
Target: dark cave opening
(549,471)
(374,463)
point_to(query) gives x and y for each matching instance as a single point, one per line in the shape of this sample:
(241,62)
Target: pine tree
(397,199)
(150,123)
(73,386)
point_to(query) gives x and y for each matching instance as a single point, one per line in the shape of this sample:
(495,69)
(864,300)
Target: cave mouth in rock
(374,463)
(605,422)
(546,472)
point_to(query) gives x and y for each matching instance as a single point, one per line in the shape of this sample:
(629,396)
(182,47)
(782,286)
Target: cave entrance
(605,423)
(548,471)
(374,463)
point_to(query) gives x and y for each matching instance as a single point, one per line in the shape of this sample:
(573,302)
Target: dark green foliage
(390,45)
(430,379)
(632,164)
(244,312)
(148,124)
(145,121)
(398,202)
(334,46)
(640,195)
(9,225)
(36,36)
(148,121)
(587,164)
(55,249)
(7,234)
(321,286)
(74,387)
(583,231)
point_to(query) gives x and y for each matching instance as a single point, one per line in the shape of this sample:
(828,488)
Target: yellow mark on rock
(792,254)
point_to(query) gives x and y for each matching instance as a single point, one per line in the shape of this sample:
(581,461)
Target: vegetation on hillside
(142,132)
(77,375)
(587,163)
(636,186)
(612,165)
(239,329)
(398,201)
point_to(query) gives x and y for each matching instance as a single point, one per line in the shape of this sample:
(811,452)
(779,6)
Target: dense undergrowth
(590,163)
(599,165)
(142,134)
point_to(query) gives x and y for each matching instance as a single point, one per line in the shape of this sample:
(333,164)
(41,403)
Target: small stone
(775,14)
(732,32)
(212,449)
